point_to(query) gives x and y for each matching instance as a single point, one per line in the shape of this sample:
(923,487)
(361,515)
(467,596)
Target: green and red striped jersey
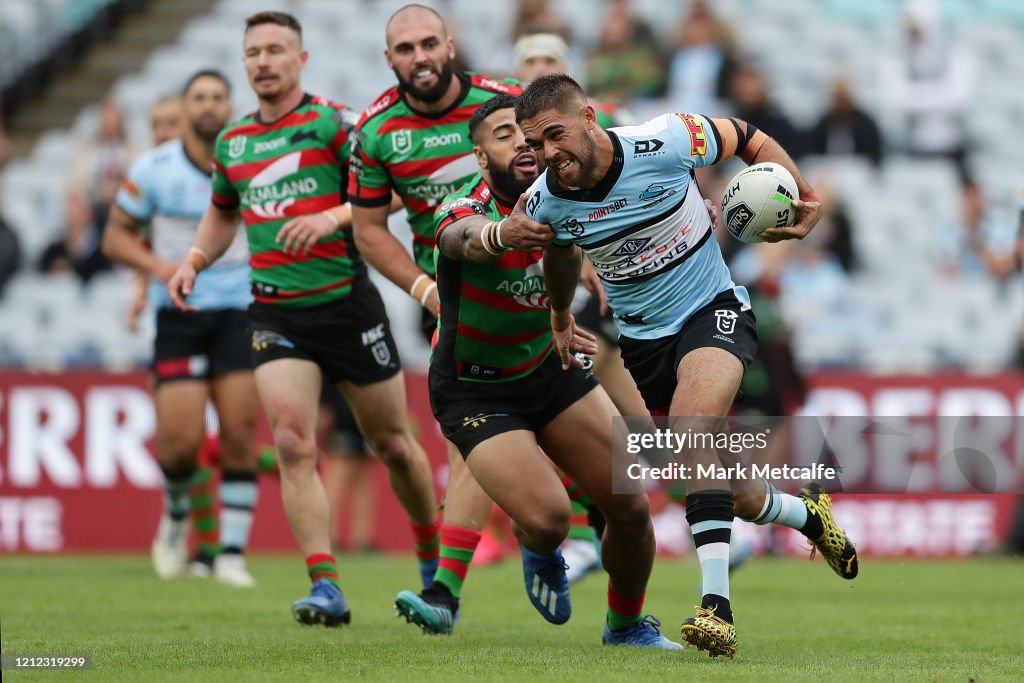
(495,322)
(273,172)
(423,157)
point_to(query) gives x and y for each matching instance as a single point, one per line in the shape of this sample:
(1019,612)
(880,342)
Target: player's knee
(236,439)
(295,446)
(178,447)
(546,526)
(394,448)
(627,511)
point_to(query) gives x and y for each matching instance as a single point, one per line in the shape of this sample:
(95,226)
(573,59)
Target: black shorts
(587,311)
(472,412)
(344,437)
(200,345)
(350,339)
(653,363)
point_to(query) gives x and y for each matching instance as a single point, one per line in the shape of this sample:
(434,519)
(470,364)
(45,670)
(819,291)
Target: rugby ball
(757,198)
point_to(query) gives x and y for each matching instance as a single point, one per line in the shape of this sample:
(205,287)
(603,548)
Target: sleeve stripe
(718,139)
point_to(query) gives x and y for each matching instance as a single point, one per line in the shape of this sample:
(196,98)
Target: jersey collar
(599,192)
(306,99)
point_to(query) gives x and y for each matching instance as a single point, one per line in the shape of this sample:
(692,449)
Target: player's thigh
(707,381)
(466,504)
(579,442)
(237,403)
(513,471)
(380,408)
(180,416)
(289,389)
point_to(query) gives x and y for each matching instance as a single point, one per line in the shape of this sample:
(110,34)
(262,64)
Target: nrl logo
(401,141)
(237,146)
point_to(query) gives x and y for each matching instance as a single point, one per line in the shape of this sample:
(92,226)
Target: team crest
(237,146)
(401,141)
(573,227)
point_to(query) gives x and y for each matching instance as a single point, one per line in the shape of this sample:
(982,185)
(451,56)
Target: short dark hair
(413,6)
(554,91)
(278,18)
(206,73)
(500,101)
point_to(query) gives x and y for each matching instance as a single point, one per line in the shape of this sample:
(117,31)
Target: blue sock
(238,493)
(782,508)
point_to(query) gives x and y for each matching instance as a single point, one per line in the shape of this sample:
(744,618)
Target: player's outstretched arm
(477,238)
(385,253)
(121,243)
(740,138)
(561,275)
(213,237)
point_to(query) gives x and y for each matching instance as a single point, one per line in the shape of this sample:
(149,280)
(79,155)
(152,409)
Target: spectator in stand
(165,119)
(79,250)
(100,163)
(749,94)
(536,16)
(845,129)
(929,84)
(981,243)
(626,64)
(700,68)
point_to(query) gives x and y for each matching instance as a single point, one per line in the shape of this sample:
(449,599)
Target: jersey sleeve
(695,139)
(369,183)
(455,208)
(135,197)
(538,208)
(223,193)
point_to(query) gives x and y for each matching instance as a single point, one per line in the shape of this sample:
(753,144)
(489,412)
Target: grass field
(929,621)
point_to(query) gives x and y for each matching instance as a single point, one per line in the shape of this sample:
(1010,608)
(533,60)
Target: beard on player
(433,93)
(513,179)
(584,160)
(207,127)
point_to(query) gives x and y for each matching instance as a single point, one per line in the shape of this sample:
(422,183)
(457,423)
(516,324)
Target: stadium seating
(898,314)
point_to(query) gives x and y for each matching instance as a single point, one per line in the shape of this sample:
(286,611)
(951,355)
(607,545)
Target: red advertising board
(77,471)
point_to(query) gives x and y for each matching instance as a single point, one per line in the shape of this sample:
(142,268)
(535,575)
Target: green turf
(929,621)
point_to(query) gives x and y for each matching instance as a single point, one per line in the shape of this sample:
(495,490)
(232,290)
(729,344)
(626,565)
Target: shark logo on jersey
(630,247)
(652,192)
(236,147)
(572,226)
(401,141)
(726,321)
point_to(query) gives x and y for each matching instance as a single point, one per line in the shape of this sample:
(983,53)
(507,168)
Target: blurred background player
(197,358)
(315,314)
(347,471)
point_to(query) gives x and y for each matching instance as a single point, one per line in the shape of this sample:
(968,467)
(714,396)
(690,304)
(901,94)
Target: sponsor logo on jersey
(465,203)
(430,193)
(612,207)
(401,141)
(378,106)
(272,210)
(279,192)
(528,285)
(649,147)
(268,145)
(698,139)
(442,140)
(631,246)
(533,203)
(236,147)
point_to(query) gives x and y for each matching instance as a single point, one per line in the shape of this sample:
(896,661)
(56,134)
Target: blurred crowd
(705,69)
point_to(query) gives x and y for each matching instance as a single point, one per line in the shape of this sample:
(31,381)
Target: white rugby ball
(757,198)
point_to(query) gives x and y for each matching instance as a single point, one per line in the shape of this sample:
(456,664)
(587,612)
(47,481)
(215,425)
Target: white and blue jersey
(167,190)
(645,226)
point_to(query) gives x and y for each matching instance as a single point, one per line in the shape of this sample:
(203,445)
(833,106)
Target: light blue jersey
(167,190)
(645,226)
